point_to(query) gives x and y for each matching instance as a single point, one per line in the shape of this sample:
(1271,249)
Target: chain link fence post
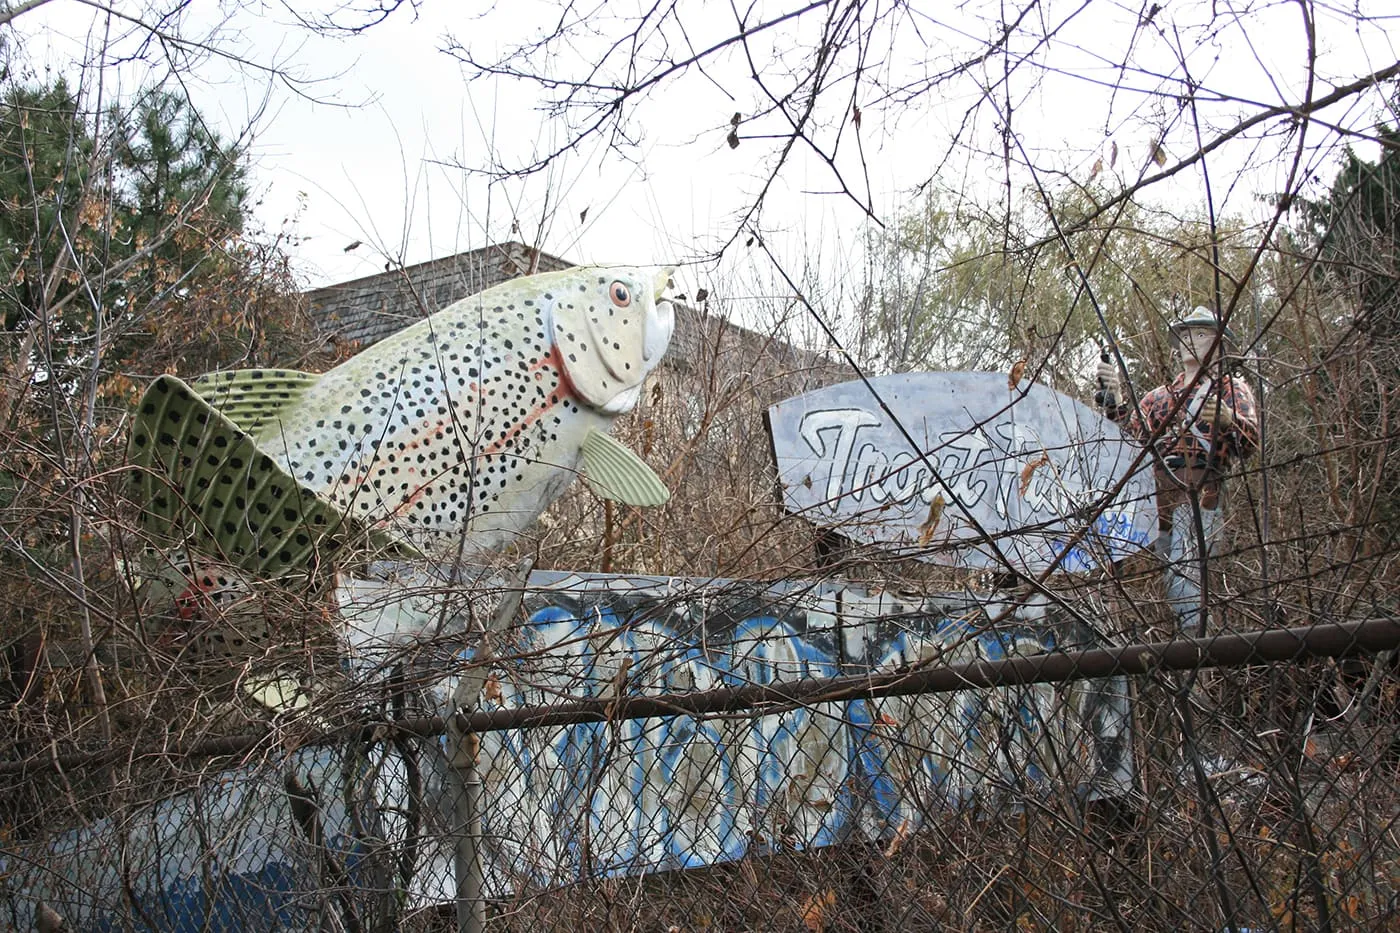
(471,895)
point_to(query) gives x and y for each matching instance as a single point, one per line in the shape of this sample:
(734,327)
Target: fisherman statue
(1201,423)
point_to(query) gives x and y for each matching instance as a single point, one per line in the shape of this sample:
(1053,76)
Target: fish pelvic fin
(614,472)
(253,398)
(203,483)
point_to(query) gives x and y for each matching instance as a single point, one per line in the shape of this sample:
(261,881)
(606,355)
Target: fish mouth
(663,282)
(661,319)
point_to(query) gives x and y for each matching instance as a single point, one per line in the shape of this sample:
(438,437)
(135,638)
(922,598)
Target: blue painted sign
(957,468)
(674,792)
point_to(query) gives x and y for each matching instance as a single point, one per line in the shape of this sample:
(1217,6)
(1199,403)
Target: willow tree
(953,285)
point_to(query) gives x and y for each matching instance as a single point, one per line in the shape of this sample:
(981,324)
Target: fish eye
(620,294)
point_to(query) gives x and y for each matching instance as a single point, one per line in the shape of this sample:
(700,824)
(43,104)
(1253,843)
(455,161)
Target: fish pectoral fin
(279,694)
(614,472)
(203,482)
(251,398)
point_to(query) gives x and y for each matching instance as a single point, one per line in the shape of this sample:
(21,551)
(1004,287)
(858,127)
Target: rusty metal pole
(467,865)
(465,750)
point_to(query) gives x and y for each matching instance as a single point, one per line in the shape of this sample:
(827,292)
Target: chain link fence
(657,753)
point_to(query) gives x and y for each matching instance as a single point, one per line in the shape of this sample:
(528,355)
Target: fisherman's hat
(1204,318)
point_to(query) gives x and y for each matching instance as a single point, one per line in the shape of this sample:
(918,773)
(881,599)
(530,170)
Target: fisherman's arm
(1109,397)
(1233,419)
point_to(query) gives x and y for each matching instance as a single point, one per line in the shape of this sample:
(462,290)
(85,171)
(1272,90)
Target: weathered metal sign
(594,799)
(979,476)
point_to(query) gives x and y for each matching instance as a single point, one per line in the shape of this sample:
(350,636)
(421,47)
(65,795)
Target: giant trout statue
(441,442)
(444,440)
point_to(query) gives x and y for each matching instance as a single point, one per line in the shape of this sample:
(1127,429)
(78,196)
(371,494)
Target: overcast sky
(375,160)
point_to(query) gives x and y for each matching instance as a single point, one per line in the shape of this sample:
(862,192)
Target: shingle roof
(368,309)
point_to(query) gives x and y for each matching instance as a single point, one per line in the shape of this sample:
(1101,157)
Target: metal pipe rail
(1327,640)
(1332,640)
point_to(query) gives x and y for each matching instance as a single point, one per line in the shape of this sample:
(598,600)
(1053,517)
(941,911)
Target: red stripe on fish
(564,390)
(552,362)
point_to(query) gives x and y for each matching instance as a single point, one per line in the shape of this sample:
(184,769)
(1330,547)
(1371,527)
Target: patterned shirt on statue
(1188,440)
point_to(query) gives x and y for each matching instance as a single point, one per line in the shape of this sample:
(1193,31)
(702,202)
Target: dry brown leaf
(46,918)
(900,835)
(492,689)
(930,525)
(1159,155)
(1113,155)
(1029,469)
(619,682)
(1018,370)
(815,909)
(1098,167)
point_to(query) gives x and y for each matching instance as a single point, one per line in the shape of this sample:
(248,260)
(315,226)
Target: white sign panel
(959,469)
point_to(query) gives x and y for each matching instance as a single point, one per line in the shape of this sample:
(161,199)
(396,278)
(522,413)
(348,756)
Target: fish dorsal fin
(251,398)
(614,472)
(202,482)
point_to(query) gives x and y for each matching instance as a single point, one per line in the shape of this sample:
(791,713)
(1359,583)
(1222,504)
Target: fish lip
(624,401)
(654,343)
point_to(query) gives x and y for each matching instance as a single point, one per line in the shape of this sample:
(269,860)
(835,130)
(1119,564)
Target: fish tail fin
(204,484)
